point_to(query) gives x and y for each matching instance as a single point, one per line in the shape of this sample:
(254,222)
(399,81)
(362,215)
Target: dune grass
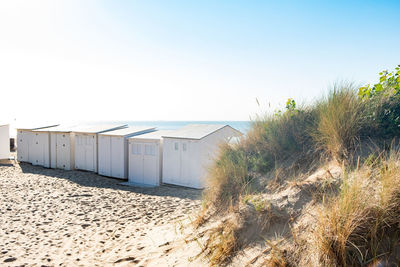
(361,225)
(222,244)
(290,141)
(358,226)
(298,138)
(230,178)
(278,137)
(340,121)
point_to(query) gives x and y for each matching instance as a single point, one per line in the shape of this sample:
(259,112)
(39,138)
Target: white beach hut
(26,142)
(189,152)
(145,158)
(54,147)
(4,141)
(86,145)
(113,150)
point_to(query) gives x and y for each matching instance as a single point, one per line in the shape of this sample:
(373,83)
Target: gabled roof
(152,135)
(94,129)
(197,131)
(130,131)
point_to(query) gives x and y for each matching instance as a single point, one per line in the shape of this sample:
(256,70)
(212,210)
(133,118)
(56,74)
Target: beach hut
(26,142)
(145,158)
(4,141)
(86,145)
(113,150)
(54,147)
(189,152)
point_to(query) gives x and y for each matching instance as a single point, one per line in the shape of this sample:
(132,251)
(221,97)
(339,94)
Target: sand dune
(73,218)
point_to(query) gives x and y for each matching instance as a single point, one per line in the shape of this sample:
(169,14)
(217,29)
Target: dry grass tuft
(340,120)
(277,256)
(222,243)
(229,179)
(361,225)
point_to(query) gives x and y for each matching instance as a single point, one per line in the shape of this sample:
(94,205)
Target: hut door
(89,153)
(104,155)
(80,151)
(61,151)
(22,145)
(185,163)
(117,160)
(175,163)
(150,168)
(38,149)
(136,166)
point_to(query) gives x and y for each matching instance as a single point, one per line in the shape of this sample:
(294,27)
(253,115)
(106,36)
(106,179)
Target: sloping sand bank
(73,218)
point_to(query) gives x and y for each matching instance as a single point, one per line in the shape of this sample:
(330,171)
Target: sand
(73,218)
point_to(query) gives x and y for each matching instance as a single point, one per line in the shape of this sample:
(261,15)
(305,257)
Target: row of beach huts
(143,155)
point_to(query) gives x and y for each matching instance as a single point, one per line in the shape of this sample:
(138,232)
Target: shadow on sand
(90,179)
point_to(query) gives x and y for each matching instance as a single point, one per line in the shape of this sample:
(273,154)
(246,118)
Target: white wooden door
(63,151)
(53,150)
(185,168)
(104,155)
(150,164)
(22,146)
(37,152)
(136,162)
(171,161)
(41,149)
(90,150)
(31,147)
(79,151)
(46,147)
(117,157)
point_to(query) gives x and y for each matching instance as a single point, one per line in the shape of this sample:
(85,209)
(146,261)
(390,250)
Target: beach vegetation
(360,225)
(358,222)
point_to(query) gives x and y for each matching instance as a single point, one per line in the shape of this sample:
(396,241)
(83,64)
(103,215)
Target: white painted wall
(4,141)
(210,149)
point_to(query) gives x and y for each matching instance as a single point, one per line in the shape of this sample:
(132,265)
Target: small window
(176,146)
(184,146)
(149,150)
(136,149)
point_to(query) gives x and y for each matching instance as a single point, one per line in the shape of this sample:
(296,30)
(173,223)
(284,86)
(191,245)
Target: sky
(185,60)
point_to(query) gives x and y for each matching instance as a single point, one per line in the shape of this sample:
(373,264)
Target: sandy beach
(73,218)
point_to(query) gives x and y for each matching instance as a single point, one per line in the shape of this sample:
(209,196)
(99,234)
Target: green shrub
(383,105)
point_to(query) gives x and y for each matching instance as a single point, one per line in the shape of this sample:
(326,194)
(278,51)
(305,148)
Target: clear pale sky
(185,60)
